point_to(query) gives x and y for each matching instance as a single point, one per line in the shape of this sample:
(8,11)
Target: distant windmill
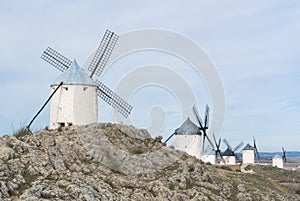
(203,127)
(188,135)
(278,161)
(283,154)
(188,138)
(250,153)
(73,76)
(230,153)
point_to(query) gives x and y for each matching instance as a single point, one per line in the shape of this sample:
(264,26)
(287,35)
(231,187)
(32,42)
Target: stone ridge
(117,162)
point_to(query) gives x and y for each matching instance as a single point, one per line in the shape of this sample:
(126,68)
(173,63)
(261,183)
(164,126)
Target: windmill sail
(197,116)
(283,154)
(56,59)
(255,148)
(217,150)
(204,127)
(113,99)
(103,53)
(206,121)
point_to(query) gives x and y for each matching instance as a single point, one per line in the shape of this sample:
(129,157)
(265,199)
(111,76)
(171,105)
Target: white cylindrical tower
(209,158)
(248,154)
(229,157)
(188,138)
(76,102)
(277,161)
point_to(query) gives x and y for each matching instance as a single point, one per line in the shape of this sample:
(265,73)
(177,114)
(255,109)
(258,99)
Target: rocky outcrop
(116,162)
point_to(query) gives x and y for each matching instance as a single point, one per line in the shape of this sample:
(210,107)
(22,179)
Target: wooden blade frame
(113,99)
(56,59)
(198,116)
(206,121)
(103,53)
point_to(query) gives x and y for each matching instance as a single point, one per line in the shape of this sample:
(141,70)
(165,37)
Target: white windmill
(249,153)
(278,161)
(74,93)
(188,138)
(188,135)
(229,154)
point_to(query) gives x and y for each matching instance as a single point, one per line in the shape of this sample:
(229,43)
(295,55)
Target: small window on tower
(85,88)
(66,88)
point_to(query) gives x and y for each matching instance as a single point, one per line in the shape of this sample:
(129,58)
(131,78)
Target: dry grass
(23,131)
(275,185)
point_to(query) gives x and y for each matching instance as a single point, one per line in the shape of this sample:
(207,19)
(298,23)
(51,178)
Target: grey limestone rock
(110,161)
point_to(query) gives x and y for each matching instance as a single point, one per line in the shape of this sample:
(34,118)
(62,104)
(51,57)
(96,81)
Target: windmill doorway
(61,124)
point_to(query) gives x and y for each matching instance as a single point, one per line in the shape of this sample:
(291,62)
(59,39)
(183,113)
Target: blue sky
(254,46)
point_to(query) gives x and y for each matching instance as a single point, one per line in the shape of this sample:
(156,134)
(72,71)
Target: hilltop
(117,162)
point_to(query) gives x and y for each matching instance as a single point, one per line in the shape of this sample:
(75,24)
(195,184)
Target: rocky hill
(117,162)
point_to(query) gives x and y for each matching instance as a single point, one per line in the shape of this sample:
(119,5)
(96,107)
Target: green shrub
(171,186)
(184,157)
(29,178)
(136,150)
(85,161)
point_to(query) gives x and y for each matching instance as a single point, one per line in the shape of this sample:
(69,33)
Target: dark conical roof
(188,128)
(248,147)
(227,152)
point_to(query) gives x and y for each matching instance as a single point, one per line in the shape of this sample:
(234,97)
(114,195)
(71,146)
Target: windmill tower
(209,156)
(277,161)
(249,153)
(76,101)
(188,138)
